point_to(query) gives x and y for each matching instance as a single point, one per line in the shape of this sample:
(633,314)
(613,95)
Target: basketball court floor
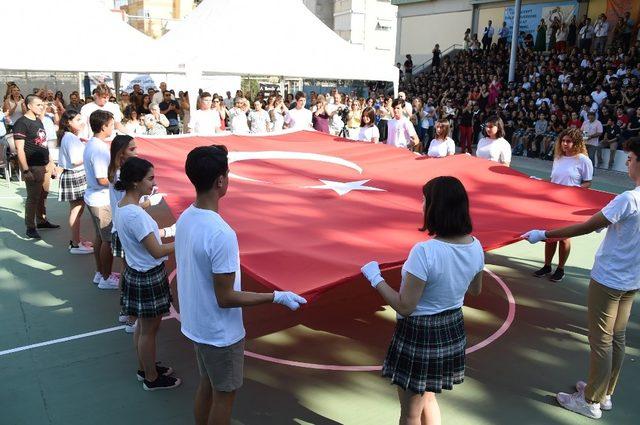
(64,359)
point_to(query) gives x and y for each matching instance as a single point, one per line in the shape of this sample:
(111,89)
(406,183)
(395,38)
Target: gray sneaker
(576,403)
(604,405)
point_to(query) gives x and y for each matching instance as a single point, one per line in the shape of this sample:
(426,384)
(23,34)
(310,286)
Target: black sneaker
(33,234)
(543,271)
(162,383)
(47,225)
(162,371)
(557,275)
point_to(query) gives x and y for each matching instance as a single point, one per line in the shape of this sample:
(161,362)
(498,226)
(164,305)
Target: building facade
(370,24)
(154,17)
(423,23)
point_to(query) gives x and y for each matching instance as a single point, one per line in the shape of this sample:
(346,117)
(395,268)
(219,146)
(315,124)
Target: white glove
(371,271)
(289,299)
(535,236)
(170,231)
(156,198)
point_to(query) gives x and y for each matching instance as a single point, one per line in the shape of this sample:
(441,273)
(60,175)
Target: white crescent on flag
(341,188)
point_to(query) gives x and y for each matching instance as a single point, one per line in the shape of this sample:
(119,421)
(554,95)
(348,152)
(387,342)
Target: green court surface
(295,371)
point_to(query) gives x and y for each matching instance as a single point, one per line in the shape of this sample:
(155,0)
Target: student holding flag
(615,280)
(209,290)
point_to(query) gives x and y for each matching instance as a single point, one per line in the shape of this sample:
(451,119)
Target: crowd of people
(563,82)
(570,100)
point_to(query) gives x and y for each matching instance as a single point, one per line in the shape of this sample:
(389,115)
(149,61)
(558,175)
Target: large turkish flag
(310,209)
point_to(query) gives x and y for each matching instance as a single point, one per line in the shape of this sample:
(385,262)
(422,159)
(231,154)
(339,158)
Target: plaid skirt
(116,246)
(427,352)
(145,294)
(72,185)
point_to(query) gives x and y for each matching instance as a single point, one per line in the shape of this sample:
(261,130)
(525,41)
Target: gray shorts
(101,219)
(222,365)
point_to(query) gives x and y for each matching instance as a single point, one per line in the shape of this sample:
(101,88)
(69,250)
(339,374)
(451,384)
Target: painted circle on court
(489,340)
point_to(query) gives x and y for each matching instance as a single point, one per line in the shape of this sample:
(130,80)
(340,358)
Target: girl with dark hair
(615,281)
(73,181)
(145,292)
(369,132)
(122,148)
(426,354)
(494,147)
(144,108)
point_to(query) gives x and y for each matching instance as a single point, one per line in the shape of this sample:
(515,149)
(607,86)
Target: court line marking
(492,338)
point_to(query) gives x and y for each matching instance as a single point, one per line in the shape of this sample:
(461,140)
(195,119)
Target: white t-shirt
(115,196)
(591,128)
(89,108)
(238,121)
(598,97)
(336,122)
(300,119)
(367,134)
(399,132)
(259,121)
(572,170)
(448,270)
(206,245)
(96,158)
(133,225)
(496,150)
(617,262)
(441,148)
(205,123)
(71,150)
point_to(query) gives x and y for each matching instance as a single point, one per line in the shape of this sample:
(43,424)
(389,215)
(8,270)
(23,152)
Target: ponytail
(65,124)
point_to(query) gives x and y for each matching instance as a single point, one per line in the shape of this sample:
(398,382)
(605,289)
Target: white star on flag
(342,188)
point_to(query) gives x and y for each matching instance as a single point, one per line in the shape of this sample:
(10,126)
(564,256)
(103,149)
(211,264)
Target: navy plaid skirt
(427,352)
(145,294)
(72,185)
(116,246)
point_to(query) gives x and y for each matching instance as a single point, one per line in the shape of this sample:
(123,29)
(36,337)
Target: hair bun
(119,186)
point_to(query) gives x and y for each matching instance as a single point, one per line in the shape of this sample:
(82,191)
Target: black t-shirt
(612,131)
(35,140)
(172,116)
(466,119)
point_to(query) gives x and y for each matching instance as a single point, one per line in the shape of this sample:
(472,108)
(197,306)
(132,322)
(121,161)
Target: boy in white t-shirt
(206,120)
(299,118)
(210,294)
(400,131)
(101,102)
(96,157)
(615,281)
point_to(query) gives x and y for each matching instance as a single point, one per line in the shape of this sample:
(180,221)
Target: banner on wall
(531,14)
(617,8)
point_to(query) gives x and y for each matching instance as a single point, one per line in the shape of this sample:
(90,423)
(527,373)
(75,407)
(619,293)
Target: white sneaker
(97,277)
(605,405)
(80,249)
(122,318)
(112,282)
(576,403)
(130,327)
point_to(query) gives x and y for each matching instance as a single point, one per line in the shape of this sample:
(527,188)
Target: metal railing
(423,66)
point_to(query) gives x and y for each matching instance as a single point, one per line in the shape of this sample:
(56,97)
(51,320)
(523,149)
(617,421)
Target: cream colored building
(423,23)
(154,16)
(370,24)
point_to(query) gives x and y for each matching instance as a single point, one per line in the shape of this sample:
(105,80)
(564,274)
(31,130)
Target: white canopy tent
(268,38)
(82,36)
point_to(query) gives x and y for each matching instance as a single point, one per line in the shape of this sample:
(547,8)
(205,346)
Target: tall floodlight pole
(514,40)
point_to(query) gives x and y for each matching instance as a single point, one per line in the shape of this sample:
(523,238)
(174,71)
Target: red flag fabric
(310,209)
